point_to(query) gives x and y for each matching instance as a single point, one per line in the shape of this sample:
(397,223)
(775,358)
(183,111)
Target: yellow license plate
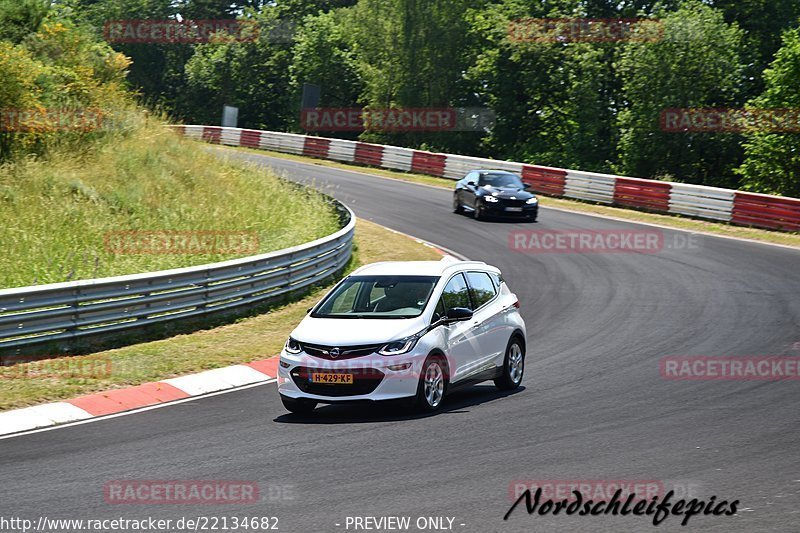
(333,379)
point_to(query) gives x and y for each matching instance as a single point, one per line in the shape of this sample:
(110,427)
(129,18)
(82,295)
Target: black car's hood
(506,193)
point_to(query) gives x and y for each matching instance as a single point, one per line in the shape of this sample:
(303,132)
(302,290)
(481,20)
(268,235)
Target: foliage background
(587,105)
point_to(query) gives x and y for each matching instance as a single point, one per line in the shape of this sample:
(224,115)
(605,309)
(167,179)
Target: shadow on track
(389,411)
(496,219)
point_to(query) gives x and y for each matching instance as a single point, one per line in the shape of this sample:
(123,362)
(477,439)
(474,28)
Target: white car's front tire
(433,381)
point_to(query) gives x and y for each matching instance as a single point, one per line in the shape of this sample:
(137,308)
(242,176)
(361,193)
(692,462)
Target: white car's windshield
(378,297)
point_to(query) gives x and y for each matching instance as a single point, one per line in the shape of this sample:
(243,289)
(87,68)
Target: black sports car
(494,193)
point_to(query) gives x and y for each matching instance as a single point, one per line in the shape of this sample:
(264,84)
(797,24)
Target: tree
(410,52)
(253,76)
(763,21)
(696,64)
(413,54)
(57,70)
(772,161)
(555,101)
(157,68)
(323,56)
(20,18)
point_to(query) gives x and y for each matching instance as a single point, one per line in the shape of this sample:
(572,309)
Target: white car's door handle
(476,324)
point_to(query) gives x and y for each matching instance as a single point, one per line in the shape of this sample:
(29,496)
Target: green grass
(56,210)
(671,221)
(246,340)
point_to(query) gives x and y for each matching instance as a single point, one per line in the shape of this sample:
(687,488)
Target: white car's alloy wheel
(515,363)
(434,384)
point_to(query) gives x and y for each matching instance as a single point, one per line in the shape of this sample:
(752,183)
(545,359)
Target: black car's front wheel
(480,211)
(457,207)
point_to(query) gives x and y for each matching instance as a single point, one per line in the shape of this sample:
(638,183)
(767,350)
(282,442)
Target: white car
(410,329)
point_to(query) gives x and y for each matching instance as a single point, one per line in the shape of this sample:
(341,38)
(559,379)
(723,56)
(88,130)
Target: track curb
(117,401)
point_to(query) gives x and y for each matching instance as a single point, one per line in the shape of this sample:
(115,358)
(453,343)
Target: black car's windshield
(500,180)
(378,297)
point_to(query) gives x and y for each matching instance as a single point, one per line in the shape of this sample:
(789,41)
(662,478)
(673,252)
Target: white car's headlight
(533,200)
(491,199)
(292,346)
(401,346)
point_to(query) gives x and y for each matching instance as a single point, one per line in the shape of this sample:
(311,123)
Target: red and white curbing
(710,203)
(145,395)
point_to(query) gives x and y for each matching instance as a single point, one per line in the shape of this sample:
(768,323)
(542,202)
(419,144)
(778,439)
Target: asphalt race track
(594,405)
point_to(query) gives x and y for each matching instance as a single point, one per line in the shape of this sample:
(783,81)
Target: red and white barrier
(398,158)
(342,150)
(317,147)
(765,211)
(646,194)
(699,201)
(712,203)
(547,180)
(250,138)
(590,186)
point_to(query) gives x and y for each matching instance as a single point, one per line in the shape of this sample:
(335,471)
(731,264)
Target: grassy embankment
(57,210)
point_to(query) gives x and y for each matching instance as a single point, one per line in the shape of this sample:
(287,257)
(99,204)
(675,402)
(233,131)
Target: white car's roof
(421,268)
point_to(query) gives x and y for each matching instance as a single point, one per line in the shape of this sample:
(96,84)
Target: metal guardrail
(62,313)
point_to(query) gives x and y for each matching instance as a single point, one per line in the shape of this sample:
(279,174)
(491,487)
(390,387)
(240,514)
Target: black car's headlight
(401,346)
(533,200)
(292,346)
(491,199)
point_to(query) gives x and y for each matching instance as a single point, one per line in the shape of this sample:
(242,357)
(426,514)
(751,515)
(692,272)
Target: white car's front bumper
(373,377)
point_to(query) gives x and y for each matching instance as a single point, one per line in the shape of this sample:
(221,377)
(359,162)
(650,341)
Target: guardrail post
(76,315)
(206,296)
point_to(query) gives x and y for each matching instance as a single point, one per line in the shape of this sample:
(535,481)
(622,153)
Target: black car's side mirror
(458,314)
(526,186)
(471,184)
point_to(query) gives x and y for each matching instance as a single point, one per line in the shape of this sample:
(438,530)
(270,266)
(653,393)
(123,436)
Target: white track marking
(216,379)
(40,415)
